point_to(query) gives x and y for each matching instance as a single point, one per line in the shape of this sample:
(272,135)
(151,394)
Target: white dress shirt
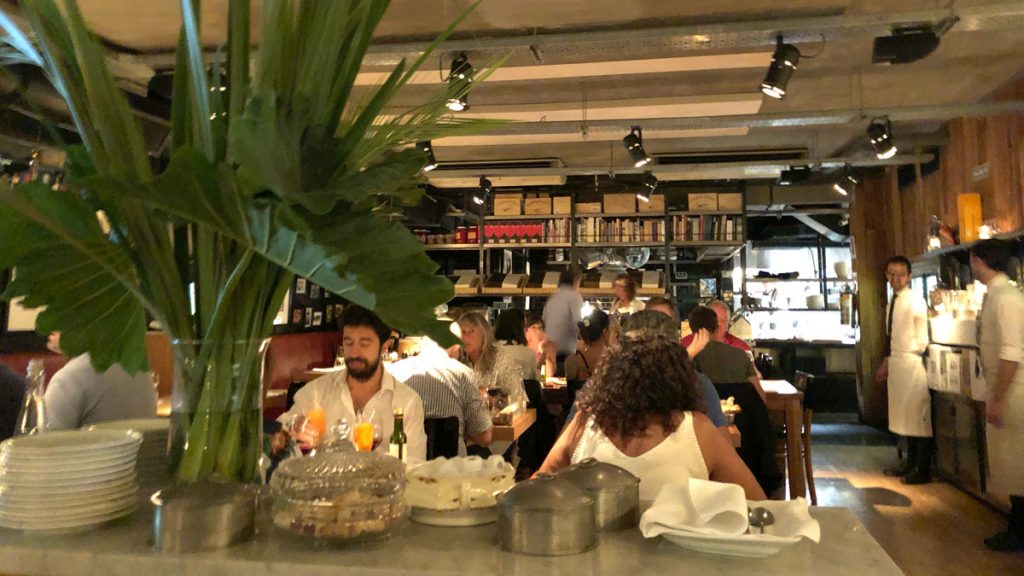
(332,394)
(909,323)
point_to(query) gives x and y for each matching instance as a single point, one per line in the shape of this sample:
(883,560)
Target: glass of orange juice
(316,422)
(362,436)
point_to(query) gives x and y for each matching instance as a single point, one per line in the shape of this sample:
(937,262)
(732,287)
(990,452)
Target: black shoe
(918,476)
(899,469)
(1005,542)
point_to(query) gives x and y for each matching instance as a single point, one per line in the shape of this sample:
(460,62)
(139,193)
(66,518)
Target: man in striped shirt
(448,389)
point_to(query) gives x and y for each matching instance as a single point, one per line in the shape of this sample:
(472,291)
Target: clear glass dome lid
(336,467)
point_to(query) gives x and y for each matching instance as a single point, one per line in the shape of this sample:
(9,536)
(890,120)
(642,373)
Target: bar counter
(846,548)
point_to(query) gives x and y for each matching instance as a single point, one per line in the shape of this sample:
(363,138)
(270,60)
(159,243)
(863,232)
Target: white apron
(1005,444)
(910,404)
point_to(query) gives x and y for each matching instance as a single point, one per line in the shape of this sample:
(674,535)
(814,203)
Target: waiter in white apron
(910,408)
(1001,343)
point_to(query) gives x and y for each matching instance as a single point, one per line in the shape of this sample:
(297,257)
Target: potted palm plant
(277,170)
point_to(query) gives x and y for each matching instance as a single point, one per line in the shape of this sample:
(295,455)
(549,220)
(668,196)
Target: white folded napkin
(714,508)
(697,506)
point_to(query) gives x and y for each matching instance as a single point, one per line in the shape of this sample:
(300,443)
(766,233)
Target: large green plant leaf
(66,263)
(365,258)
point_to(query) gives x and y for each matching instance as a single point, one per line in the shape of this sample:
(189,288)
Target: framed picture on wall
(309,317)
(300,285)
(297,316)
(314,292)
(318,318)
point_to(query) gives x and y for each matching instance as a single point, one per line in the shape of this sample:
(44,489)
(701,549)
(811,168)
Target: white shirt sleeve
(416,449)
(1010,312)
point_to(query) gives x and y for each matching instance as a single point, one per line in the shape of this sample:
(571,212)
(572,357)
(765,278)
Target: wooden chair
(804,382)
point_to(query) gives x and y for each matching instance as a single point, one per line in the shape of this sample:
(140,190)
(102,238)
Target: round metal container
(615,490)
(546,516)
(203,515)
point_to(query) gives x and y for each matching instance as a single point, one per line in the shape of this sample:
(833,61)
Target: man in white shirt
(1001,344)
(562,315)
(78,395)
(363,390)
(910,408)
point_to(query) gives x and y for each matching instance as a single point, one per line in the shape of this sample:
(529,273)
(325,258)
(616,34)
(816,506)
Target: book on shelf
(688,228)
(598,229)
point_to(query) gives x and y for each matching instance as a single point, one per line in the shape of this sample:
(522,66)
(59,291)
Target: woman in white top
(494,367)
(641,411)
(625,302)
(509,333)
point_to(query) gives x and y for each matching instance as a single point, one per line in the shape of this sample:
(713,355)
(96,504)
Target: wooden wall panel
(873,236)
(984,155)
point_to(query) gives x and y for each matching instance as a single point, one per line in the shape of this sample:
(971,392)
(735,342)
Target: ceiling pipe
(813,223)
(866,162)
(802,119)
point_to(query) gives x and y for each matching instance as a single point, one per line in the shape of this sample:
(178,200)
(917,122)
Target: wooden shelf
(705,243)
(815,280)
(705,213)
(622,215)
(641,244)
(538,245)
(430,247)
(526,217)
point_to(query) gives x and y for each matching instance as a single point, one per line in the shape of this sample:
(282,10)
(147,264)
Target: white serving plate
(81,488)
(71,464)
(745,545)
(147,426)
(104,505)
(68,526)
(69,442)
(60,498)
(58,476)
(468,517)
(68,481)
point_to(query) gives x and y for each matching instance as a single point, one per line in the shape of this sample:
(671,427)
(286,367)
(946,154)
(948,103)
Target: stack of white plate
(68,480)
(152,462)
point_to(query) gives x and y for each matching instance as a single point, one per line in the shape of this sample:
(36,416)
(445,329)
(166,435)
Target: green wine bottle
(398,438)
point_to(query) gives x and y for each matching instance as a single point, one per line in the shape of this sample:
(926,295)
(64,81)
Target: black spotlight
(480,196)
(880,134)
(794,175)
(634,143)
(428,150)
(649,184)
(784,62)
(459,79)
(847,182)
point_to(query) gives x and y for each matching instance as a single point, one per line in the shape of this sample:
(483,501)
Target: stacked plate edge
(67,481)
(152,461)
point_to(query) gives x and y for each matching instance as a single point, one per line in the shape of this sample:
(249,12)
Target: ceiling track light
(880,134)
(459,79)
(847,183)
(634,143)
(428,150)
(784,62)
(480,196)
(649,184)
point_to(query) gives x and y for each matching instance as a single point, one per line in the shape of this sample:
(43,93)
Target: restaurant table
(783,396)
(846,549)
(504,435)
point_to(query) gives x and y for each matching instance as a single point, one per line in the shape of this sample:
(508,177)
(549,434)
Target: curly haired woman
(640,411)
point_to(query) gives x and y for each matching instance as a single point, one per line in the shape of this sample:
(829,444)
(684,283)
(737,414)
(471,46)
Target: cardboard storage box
(561,205)
(702,201)
(588,207)
(619,203)
(731,201)
(508,204)
(657,204)
(537,205)
(968,208)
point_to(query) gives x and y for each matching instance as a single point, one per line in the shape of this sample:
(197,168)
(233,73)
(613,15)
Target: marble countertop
(121,549)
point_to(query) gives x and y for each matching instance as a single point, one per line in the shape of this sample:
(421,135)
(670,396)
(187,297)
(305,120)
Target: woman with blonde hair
(495,368)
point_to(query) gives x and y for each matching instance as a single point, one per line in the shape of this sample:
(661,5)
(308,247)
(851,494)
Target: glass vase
(216,409)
